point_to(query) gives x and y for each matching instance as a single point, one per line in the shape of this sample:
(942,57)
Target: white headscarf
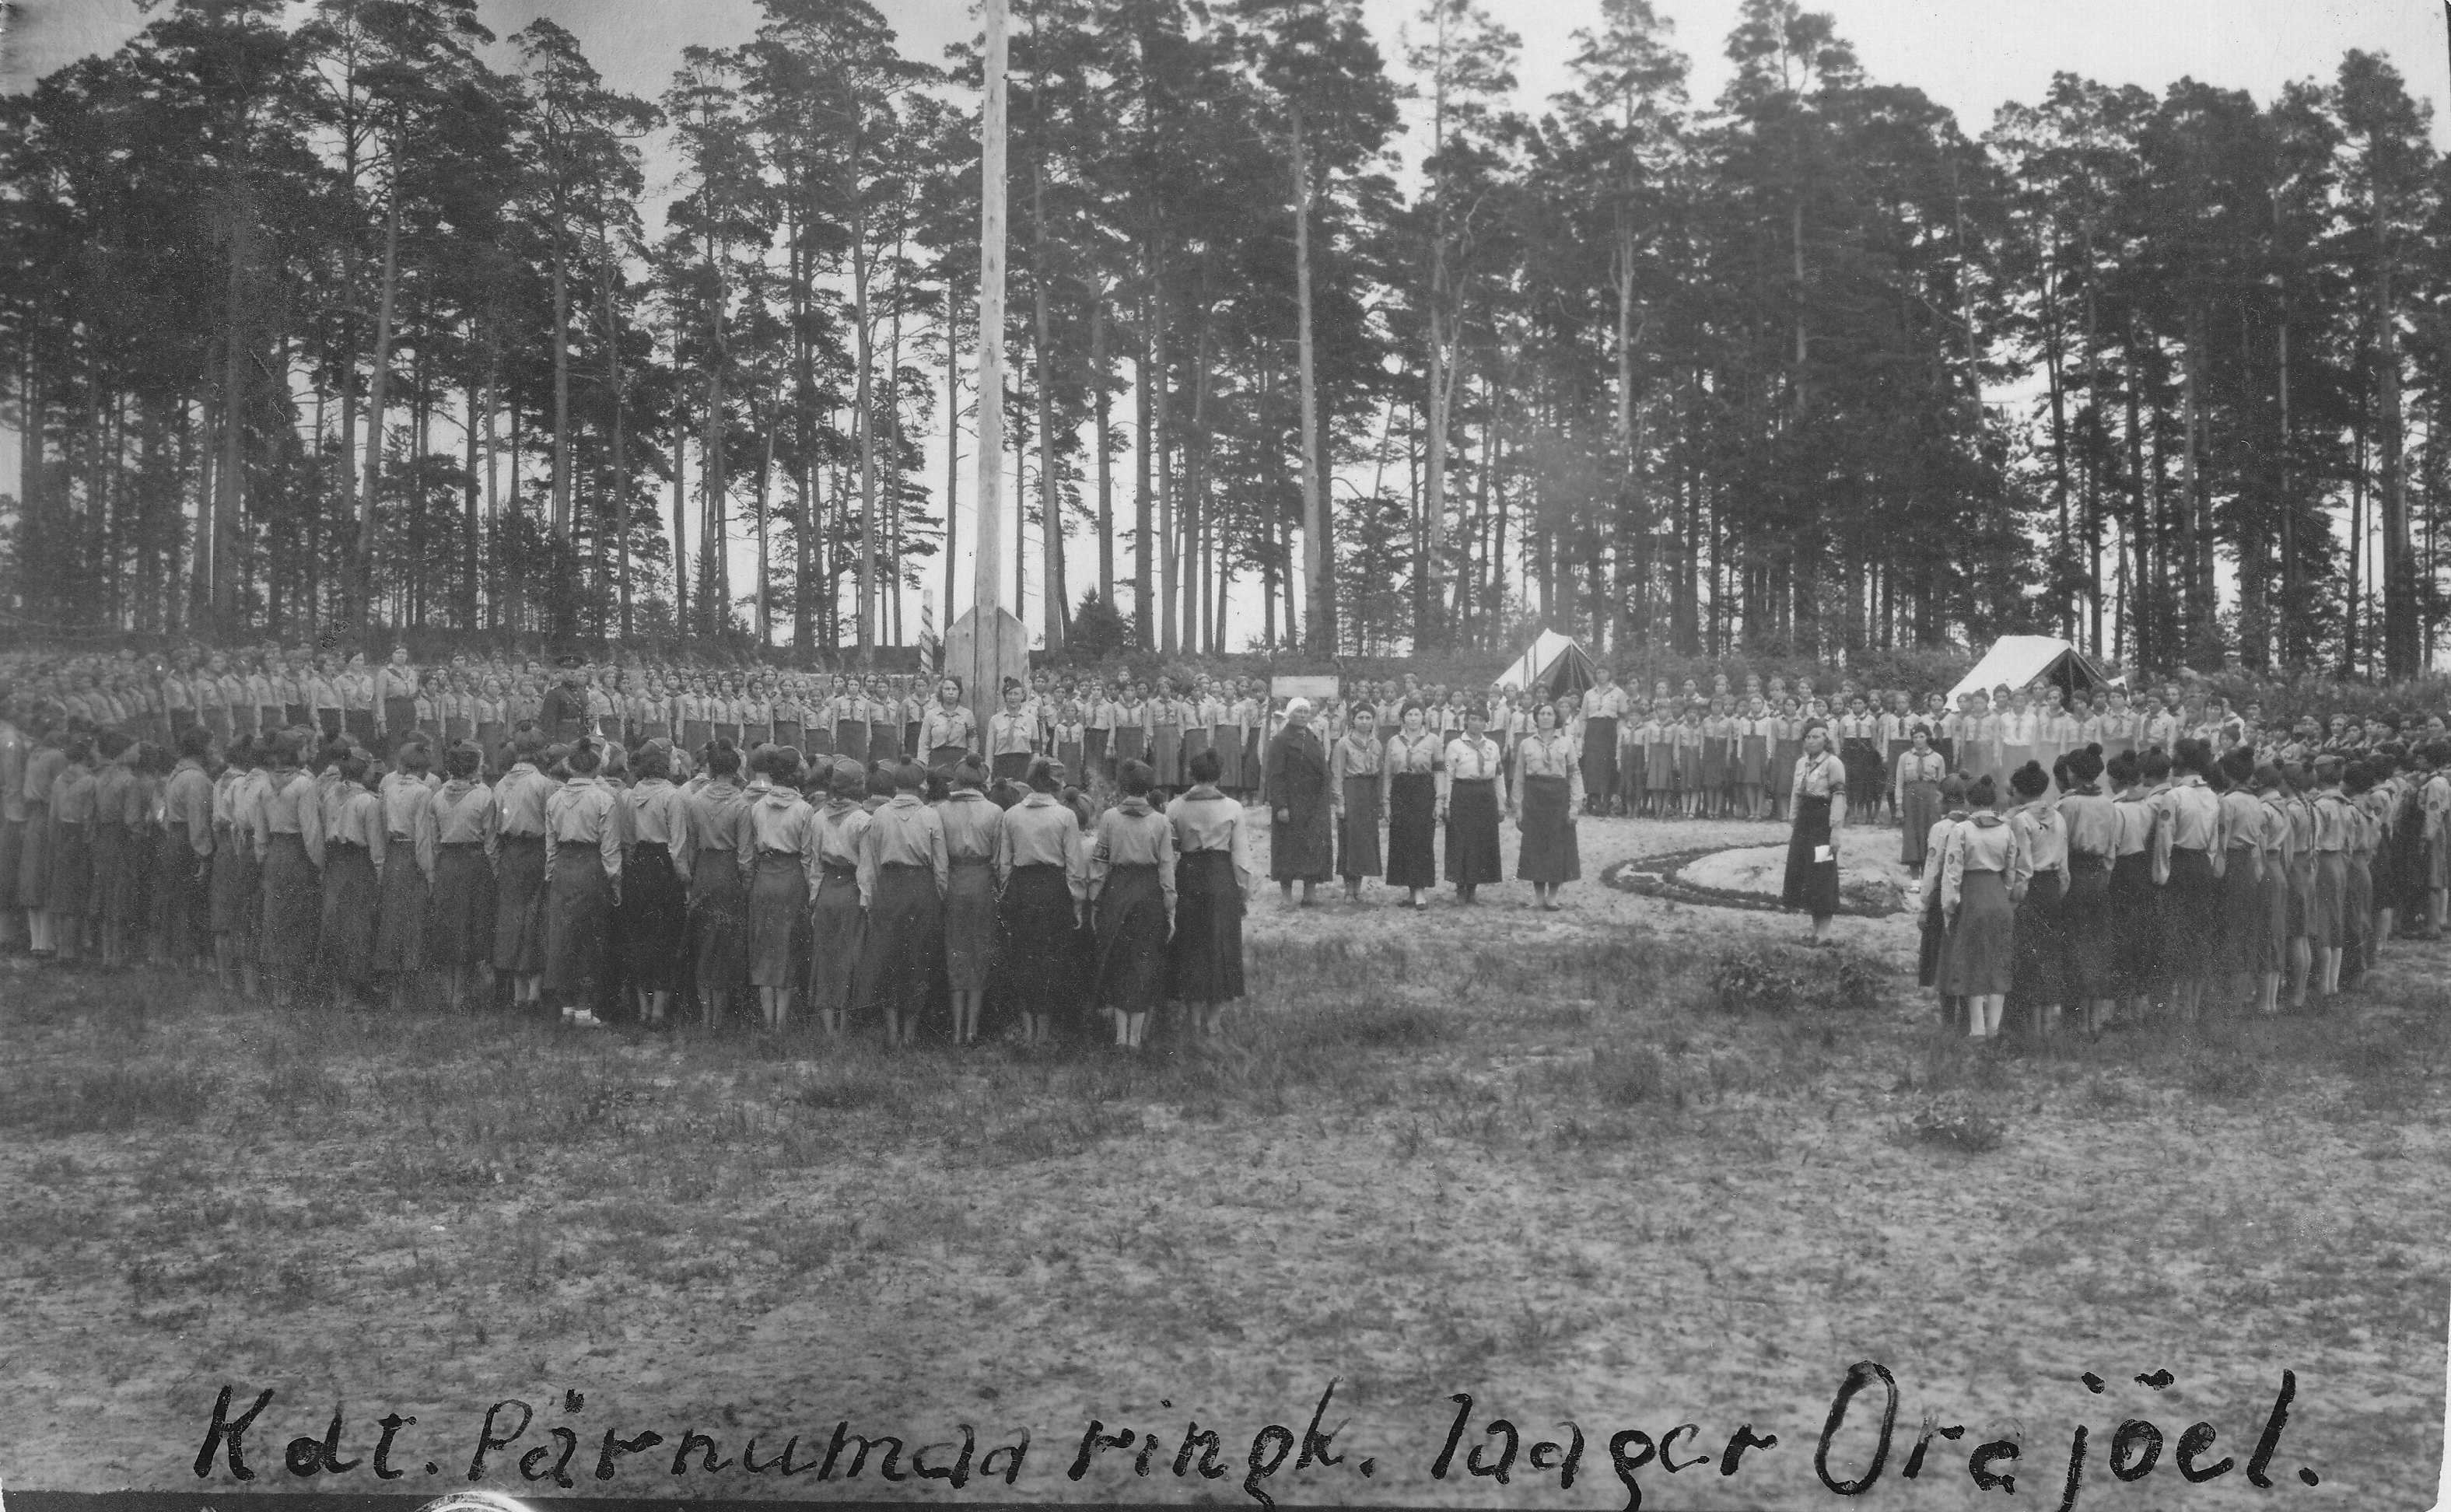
(1297,706)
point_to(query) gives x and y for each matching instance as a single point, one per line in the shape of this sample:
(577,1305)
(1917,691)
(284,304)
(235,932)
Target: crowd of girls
(608,883)
(2192,882)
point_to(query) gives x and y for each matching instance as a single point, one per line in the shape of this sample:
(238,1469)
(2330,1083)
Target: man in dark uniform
(564,716)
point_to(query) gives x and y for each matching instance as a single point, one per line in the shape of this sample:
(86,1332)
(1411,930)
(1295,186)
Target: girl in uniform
(2187,861)
(2237,967)
(1066,736)
(1044,871)
(1753,757)
(1549,789)
(1414,763)
(1719,734)
(1916,796)
(408,871)
(949,733)
(2274,941)
(718,892)
(582,857)
(1357,793)
(658,850)
(1012,736)
(2135,906)
(1818,797)
(1165,734)
(1472,792)
(1213,876)
(902,882)
(770,854)
(973,839)
(290,836)
(71,804)
(1934,947)
(1980,961)
(457,828)
(355,845)
(2327,930)
(835,921)
(2038,887)
(2086,921)
(1132,896)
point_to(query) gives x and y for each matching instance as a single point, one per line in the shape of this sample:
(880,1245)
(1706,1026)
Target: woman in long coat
(1358,797)
(1300,842)
(1818,790)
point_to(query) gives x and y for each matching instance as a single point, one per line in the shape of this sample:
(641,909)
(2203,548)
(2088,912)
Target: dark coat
(1302,847)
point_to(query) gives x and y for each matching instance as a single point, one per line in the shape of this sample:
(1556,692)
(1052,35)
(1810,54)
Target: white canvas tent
(2019,660)
(1552,663)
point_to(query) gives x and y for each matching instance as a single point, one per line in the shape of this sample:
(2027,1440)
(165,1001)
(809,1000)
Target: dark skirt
(399,717)
(358,724)
(1035,951)
(821,740)
(71,894)
(186,904)
(1812,885)
(2135,910)
(851,740)
(905,940)
(835,939)
(2323,927)
(970,924)
(695,735)
(948,755)
(399,924)
(2356,919)
(1412,829)
(519,904)
(2088,933)
(12,856)
(460,915)
(1357,829)
(2272,945)
(786,733)
(1472,833)
(718,920)
(351,895)
(2191,903)
(778,896)
(1165,746)
(34,858)
(1980,960)
(292,912)
(1548,853)
(652,918)
(1094,745)
(2040,949)
(578,920)
(1932,949)
(1714,762)
(115,879)
(1131,940)
(1131,744)
(1012,765)
(883,741)
(2242,914)
(1599,760)
(1204,958)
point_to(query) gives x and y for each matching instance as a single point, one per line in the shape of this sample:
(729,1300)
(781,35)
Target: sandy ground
(1458,1228)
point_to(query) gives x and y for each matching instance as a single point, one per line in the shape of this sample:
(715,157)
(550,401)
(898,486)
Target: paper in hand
(1821,854)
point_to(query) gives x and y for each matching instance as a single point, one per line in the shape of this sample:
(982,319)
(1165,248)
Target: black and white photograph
(1585,755)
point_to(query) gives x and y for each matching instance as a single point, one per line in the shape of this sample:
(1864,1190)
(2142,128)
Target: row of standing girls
(306,871)
(2195,885)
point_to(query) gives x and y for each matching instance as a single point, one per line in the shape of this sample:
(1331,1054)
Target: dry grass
(1540,1164)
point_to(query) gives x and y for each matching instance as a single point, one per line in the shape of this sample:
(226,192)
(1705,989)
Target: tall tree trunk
(1319,578)
(559,589)
(864,403)
(1101,412)
(361,574)
(1050,515)
(617,512)
(2293,647)
(953,444)
(2401,648)
(1165,490)
(1144,504)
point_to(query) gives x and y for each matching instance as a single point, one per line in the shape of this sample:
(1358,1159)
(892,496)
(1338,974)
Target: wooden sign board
(1311,688)
(984,665)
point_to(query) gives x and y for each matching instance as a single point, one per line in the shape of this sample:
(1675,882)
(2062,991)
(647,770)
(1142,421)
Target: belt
(903,866)
(509,835)
(838,869)
(766,850)
(1484,780)
(402,839)
(461,845)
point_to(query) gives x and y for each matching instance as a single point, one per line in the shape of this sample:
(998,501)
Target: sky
(1969,55)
